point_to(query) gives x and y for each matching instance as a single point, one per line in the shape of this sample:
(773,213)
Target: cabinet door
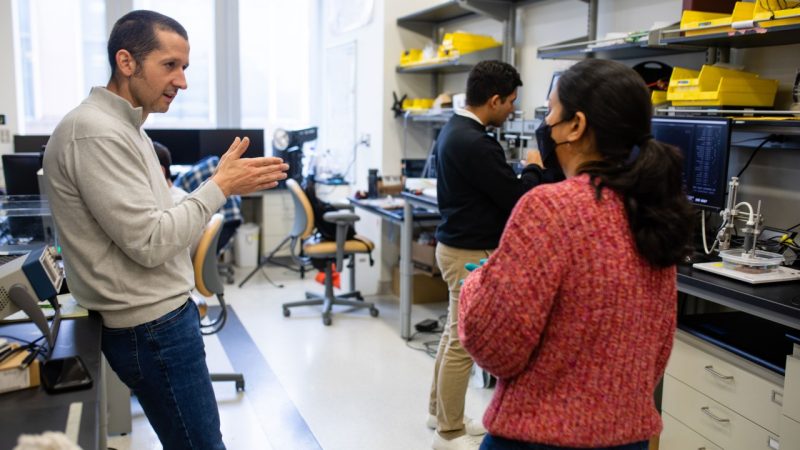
(712,420)
(790,434)
(738,389)
(677,436)
(791,391)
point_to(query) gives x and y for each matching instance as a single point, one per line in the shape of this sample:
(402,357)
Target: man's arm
(492,175)
(114,184)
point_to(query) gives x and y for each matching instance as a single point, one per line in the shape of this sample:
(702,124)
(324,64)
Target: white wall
(8,93)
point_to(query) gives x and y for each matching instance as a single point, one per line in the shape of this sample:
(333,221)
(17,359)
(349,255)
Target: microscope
(746,263)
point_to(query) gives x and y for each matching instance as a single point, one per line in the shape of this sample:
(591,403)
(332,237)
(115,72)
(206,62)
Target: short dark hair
(617,106)
(490,78)
(164,158)
(136,33)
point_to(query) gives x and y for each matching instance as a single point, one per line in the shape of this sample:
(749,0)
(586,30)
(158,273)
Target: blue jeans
(497,443)
(164,363)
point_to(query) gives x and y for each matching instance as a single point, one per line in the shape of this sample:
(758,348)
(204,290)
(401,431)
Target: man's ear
(126,65)
(495,101)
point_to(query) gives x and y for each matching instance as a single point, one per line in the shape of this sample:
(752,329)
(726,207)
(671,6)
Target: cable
(752,155)
(428,347)
(793,227)
(705,240)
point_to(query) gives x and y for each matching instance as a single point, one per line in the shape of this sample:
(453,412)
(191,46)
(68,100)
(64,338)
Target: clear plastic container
(741,260)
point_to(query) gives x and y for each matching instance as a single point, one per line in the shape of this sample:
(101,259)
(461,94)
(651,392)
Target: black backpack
(325,229)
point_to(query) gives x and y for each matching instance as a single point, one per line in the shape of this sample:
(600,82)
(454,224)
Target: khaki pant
(453,363)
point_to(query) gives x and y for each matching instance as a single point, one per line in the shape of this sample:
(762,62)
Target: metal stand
(270,259)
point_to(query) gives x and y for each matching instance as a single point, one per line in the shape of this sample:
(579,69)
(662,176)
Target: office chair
(324,254)
(208,284)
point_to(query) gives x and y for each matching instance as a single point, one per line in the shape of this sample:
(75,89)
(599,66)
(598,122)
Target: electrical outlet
(2,119)
(365,140)
(5,136)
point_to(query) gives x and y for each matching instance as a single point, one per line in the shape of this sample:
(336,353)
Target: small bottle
(372,183)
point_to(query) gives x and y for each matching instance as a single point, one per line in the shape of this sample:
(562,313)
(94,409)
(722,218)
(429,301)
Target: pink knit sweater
(576,326)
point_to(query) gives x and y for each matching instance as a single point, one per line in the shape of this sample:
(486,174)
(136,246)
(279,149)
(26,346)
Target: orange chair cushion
(328,248)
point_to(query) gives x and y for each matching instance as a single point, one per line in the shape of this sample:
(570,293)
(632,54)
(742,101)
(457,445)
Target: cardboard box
(424,258)
(13,379)
(427,288)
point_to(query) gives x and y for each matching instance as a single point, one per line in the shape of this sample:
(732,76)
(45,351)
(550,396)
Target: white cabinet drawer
(712,420)
(740,390)
(677,436)
(790,434)
(791,390)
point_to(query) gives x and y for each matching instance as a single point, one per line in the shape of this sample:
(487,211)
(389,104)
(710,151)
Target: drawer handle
(777,397)
(710,369)
(716,418)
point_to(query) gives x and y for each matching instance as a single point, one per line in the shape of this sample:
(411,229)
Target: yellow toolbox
(460,43)
(716,86)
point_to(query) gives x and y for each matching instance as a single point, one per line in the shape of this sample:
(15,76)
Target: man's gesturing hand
(236,175)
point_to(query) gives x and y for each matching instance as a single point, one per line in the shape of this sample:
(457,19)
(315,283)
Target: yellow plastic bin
(775,13)
(460,43)
(716,86)
(695,23)
(410,57)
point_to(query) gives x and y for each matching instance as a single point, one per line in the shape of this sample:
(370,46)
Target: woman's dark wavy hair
(646,172)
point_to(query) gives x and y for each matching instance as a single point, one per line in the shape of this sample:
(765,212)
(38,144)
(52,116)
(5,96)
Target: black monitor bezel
(729,132)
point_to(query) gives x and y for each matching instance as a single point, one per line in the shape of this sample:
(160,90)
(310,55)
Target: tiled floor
(356,384)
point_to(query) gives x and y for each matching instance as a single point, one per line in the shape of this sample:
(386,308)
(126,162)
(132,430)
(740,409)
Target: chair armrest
(343,221)
(340,217)
(342,204)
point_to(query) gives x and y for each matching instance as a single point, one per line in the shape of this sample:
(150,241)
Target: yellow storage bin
(417,104)
(695,23)
(460,43)
(716,86)
(658,97)
(775,13)
(410,56)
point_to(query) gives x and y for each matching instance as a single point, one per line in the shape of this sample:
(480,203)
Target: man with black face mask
(476,191)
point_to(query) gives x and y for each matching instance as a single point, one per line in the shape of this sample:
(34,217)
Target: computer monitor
(20,172)
(705,143)
(30,142)
(217,141)
(183,145)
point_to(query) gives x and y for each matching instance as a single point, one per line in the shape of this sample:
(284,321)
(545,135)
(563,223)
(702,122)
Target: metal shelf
(425,22)
(746,38)
(462,63)
(581,48)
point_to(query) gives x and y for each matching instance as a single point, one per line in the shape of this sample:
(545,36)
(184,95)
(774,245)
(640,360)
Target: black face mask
(547,146)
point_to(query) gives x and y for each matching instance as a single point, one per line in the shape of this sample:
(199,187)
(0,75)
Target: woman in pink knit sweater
(574,313)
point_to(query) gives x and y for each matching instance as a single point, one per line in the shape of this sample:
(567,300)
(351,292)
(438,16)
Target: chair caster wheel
(326,320)
(286,312)
(374,312)
(240,386)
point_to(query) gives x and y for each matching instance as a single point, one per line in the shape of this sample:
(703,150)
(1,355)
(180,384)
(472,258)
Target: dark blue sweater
(476,188)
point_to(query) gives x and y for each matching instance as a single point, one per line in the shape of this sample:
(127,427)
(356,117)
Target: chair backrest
(206,274)
(303,213)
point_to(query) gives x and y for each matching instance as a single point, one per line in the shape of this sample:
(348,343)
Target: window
(57,77)
(275,54)
(194,107)
(62,54)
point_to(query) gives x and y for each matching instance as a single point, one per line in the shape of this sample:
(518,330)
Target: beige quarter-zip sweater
(125,243)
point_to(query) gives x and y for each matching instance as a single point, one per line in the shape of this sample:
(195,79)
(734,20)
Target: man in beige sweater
(126,244)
